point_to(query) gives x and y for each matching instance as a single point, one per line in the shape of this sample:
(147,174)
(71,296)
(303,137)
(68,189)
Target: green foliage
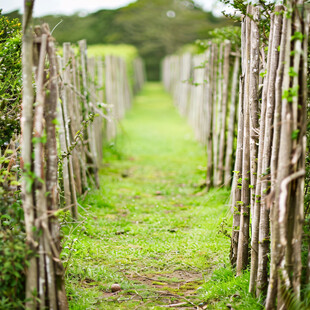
(79,136)
(144,24)
(12,251)
(290,93)
(12,234)
(295,134)
(219,35)
(240,9)
(293,303)
(12,260)
(10,78)
(297,36)
(161,27)
(224,288)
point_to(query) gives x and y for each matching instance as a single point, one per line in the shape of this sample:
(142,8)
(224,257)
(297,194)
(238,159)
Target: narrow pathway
(150,228)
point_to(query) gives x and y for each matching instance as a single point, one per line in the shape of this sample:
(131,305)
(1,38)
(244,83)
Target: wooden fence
(78,100)
(269,165)
(269,188)
(204,88)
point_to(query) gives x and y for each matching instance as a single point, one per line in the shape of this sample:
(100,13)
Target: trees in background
(156,27)
(161,27)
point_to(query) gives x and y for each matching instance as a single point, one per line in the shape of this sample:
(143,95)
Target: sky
(68,7)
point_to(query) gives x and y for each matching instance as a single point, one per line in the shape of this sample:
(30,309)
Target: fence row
(205,89)
(270,162)
(78,100)
(270,137)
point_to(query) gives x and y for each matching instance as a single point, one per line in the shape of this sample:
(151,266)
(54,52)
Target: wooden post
(26,149)
(45,283)
(232,122)
(217,90)
(243,242)
(273,277)
(254,129)
(223,119)
(264,240)
(66,103)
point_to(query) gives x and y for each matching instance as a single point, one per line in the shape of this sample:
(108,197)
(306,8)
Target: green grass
(150,228)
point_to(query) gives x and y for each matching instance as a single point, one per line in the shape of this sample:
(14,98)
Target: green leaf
(29,183)
(263,74)
(292,72)
(55,121)
(290,93)
(15,183)
(295,134)
(297,36)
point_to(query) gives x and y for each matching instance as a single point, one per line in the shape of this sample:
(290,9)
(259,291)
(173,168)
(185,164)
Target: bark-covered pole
(232,121)
(44,285)
(264,237)
(243,242)
(209,94)
(40,184)
(255,166)
(75,122)
(254,100)
(216,85)
(236,191)
(109,94)
(81,149)
(237,179)
(89,137)
(51,177)
(100,120)
(283,166)
(301,25)
(222,134)
(66,104)
(26,149)
(274,213)
(63,144)
(305,93)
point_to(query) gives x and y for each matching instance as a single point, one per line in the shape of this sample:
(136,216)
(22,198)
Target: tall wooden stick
(26,149)
(231,124)
(242,259)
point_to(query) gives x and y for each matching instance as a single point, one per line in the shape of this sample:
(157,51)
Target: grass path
(149,228)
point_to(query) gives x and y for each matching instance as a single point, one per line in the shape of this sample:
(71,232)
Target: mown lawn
(151,228)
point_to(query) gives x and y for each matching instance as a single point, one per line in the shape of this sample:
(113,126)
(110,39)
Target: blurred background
(154,27)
